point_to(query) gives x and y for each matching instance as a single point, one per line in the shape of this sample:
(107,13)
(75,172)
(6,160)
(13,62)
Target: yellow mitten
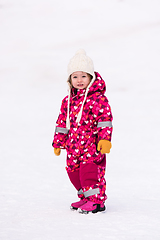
(104,146)
(57,151)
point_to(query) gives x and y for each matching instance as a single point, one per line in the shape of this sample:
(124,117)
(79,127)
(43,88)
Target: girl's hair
(70,82)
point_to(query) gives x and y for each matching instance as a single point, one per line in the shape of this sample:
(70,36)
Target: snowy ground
(37,39)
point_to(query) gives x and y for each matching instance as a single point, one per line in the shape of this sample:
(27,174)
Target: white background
(37,40)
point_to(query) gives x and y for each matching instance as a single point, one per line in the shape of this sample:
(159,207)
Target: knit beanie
(79,62)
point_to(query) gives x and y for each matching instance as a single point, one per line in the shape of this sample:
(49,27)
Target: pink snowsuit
(86,165)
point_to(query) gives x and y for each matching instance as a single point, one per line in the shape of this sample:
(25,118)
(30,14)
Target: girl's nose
(79,79)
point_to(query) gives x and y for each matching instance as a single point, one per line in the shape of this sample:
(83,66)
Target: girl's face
(80,80)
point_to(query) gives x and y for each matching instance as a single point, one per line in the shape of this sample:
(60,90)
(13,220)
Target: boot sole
(73,208)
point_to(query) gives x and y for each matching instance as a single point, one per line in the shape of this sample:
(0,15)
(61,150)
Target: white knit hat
(80,62)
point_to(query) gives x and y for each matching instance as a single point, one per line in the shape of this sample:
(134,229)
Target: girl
(84,129)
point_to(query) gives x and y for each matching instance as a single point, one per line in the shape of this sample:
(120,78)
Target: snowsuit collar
(77,92)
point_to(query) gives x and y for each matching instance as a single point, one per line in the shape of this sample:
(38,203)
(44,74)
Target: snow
(37,39)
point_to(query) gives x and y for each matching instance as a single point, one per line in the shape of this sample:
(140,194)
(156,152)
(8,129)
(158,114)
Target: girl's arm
(61,132)
(103,117)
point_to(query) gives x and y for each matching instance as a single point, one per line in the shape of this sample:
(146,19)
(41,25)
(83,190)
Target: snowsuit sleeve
(103,118)
(61,132)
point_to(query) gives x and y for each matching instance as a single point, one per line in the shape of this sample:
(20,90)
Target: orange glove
(104,146)
(57,151)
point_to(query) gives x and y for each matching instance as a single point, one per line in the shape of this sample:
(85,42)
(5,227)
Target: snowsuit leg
(73,174)
(92,181)
(87,177)
(74,178)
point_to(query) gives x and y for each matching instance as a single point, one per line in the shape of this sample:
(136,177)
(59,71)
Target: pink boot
(92,207)
(76,205)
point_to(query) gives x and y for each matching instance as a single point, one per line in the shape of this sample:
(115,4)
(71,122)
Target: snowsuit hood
(97,84)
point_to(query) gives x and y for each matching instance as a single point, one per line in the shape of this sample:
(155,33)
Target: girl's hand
(104,146)
(57,151)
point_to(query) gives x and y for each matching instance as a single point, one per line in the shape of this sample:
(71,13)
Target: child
(84,129)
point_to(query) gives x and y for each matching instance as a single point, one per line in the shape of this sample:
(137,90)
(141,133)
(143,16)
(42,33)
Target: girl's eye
(75,77)
(84,76)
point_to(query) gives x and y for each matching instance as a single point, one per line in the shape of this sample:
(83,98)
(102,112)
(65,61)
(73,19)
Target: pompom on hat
(81,62)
